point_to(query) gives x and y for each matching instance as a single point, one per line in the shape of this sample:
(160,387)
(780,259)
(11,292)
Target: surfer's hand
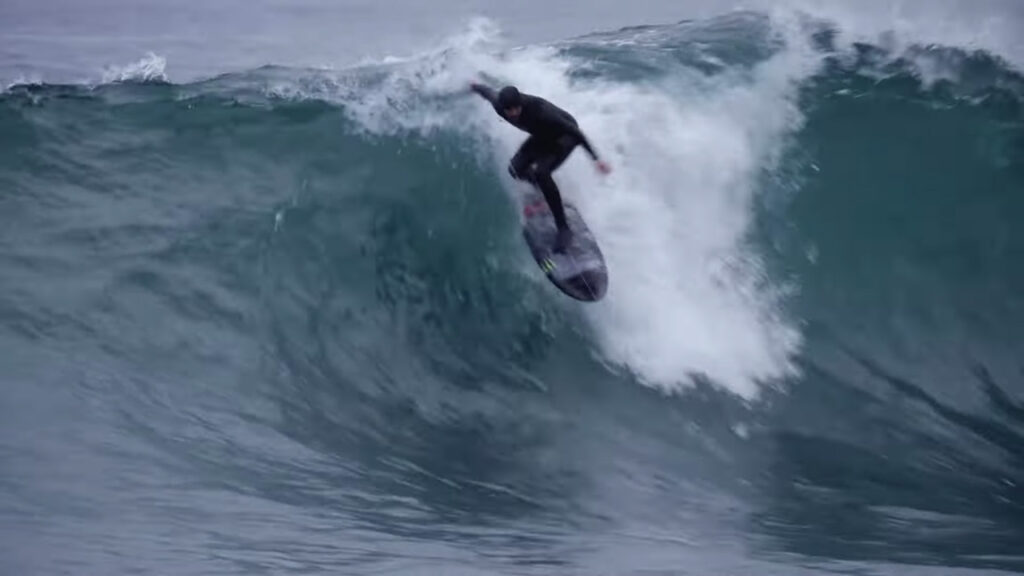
(603,166)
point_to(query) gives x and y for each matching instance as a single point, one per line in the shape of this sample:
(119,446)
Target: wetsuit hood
(509,97)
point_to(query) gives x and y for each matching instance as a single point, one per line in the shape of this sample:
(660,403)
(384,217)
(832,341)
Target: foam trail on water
(671,218)
(672,222)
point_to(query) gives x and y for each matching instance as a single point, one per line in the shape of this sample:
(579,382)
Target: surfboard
(580,272)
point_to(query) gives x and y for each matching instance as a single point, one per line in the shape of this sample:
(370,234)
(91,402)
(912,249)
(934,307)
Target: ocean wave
(298,300)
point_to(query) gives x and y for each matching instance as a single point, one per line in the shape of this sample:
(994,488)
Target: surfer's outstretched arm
(486,92)
(573,129)
(564,123)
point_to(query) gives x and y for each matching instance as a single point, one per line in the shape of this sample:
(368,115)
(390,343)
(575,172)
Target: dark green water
(282,321)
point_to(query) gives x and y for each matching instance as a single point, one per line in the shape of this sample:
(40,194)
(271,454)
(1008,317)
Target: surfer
(554,134)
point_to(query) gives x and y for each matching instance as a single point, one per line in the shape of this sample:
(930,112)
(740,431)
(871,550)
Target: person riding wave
(554,134)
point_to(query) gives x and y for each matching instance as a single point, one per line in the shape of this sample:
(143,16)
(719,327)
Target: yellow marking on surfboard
(548,265)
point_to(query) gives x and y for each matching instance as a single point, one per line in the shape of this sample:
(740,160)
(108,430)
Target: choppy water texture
(280,318)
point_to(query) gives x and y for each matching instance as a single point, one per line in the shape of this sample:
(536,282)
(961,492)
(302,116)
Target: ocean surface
(265,306)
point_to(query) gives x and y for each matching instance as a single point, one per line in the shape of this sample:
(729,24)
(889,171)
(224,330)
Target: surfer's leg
(553,197)
(541,175)
(529,151)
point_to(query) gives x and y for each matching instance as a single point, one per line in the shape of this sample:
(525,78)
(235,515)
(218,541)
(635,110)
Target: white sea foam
(148,69)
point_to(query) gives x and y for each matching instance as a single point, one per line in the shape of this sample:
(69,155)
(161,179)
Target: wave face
(283,319)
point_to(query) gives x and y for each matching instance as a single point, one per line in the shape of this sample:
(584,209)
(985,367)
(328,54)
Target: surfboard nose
(589,285)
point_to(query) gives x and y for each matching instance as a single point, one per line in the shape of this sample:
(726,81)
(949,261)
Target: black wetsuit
(554,134)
